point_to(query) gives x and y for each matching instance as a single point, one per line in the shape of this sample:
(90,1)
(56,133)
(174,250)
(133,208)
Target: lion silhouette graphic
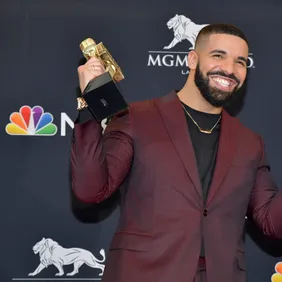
(51,253)
(183,29)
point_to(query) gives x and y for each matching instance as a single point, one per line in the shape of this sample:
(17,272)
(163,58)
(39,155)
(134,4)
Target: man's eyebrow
(218,51)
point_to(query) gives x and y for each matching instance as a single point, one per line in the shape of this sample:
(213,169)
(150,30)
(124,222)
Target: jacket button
(205,213)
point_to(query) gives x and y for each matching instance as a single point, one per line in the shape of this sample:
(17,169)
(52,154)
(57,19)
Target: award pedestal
(103,97)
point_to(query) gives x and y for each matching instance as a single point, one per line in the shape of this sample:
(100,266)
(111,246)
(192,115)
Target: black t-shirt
(205,146)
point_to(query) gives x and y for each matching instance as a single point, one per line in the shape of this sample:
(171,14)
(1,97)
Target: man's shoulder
(146,106)
(244,131)
(142,104)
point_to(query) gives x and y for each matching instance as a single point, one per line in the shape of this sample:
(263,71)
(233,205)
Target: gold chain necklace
(202,130)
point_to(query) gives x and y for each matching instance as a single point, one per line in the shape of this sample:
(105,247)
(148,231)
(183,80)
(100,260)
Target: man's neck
(193,98)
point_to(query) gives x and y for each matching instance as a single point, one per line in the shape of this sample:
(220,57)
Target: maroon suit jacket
(163,217)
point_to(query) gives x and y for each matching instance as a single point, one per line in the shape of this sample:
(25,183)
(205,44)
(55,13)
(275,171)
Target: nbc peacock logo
(31,122)
(277,277)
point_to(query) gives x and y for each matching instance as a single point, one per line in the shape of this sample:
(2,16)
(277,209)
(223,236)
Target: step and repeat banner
(47,234)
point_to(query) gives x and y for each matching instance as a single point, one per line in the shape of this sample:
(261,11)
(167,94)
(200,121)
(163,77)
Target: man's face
(221,68)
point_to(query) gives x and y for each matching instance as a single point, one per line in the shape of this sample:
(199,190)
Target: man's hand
(90,70)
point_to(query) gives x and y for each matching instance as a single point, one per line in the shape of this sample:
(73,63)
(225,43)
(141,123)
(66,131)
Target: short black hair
(220,29)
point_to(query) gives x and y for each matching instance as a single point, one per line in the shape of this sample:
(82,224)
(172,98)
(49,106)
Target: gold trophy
(101,95)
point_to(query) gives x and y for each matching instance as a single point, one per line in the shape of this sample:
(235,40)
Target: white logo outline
(51,253)
(183,29)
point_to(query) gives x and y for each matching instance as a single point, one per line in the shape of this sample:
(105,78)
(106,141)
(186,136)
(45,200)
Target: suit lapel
(175,122)
(225,154)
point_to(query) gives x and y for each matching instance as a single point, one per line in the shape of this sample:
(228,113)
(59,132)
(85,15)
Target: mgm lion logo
(183,29)
(51,253)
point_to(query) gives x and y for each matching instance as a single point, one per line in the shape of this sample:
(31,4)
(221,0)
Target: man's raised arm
(99,162)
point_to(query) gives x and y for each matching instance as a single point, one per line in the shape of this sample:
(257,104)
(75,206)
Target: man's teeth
(221,81)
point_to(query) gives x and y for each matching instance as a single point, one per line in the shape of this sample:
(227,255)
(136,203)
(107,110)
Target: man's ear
(192,60)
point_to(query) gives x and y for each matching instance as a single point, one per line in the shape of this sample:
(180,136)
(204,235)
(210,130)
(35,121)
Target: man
(190,172)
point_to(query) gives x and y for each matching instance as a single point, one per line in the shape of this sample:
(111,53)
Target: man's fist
(90,70)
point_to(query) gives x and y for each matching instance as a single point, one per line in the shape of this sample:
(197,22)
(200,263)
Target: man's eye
(242,63)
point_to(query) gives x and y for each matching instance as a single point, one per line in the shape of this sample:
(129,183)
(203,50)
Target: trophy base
(103,97)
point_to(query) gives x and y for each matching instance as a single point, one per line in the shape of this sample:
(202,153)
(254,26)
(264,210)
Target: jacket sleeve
(100,162)
(265,206)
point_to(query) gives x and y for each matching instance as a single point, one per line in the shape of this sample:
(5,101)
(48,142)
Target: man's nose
(228,67)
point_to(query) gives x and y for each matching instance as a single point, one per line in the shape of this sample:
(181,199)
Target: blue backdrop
(39,59)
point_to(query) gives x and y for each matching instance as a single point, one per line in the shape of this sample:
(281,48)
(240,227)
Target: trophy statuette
(101,95)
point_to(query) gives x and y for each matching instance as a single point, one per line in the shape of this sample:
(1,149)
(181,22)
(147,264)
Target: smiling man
(190,172)
(218,68)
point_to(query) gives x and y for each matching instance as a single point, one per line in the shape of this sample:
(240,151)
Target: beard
(216,97)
